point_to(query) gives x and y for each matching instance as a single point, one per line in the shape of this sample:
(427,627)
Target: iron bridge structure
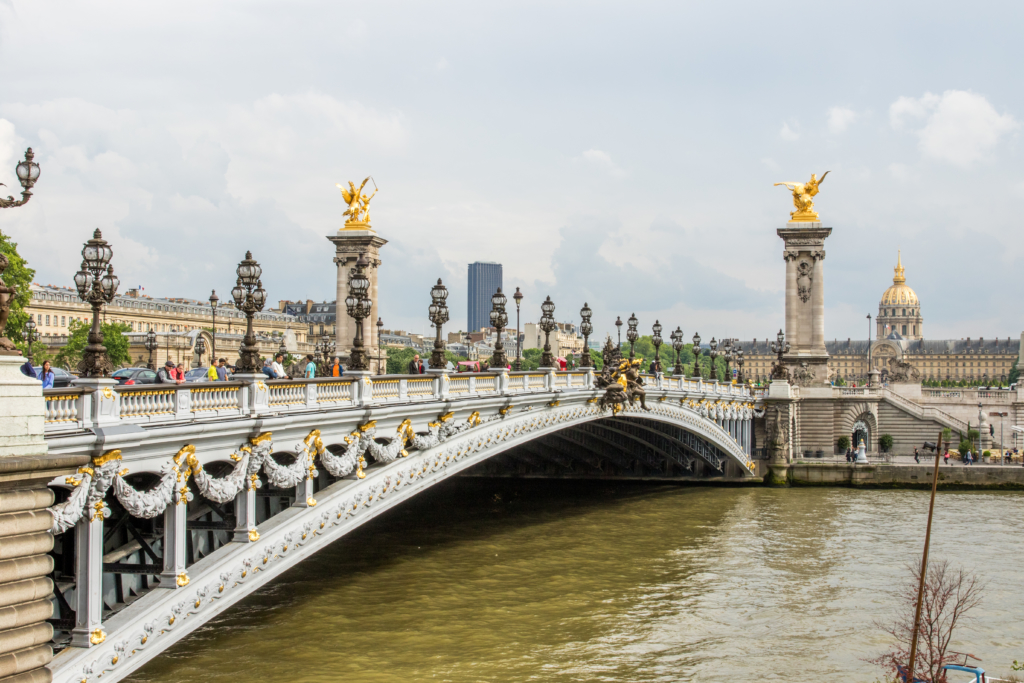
(198,494)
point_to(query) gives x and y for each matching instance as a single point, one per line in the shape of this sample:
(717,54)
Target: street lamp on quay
(30,335)
(714,354)
(438,312)
(631,334)
(28,174)
(200,350)
(499,320)
(657,340)
(358,305)
(518,296)
(151,346)
(547,324)
(381,365)
(587,329)
(213,335)
(249,297)
(696,356)
(97,285)
(618,327)
(677,346)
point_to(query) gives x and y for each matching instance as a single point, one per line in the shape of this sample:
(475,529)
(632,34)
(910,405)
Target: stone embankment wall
(885,475)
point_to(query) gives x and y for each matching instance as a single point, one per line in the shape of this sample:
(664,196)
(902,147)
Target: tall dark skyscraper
(484,280)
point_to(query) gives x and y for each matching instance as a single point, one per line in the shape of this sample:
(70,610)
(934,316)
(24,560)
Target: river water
(536,581)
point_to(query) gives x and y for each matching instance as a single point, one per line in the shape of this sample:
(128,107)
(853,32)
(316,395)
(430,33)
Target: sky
(619,154)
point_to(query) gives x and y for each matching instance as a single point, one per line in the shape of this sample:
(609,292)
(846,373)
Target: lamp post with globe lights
(200,350)
(358,305)
(780,347)
(677,346)
(631,334)
(518,297)
(28,174)
(713,345)
(438,316)
(151,346)
(30,335)
(739,364)
(696,356)
(547,324)
(618,329)
(381,363)
(657,340)
(213,335)
(249,297)
(499,320)
(97,285)
(587,328)
(727,354)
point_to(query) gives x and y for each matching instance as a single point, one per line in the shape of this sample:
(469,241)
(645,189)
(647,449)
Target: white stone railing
(79,408)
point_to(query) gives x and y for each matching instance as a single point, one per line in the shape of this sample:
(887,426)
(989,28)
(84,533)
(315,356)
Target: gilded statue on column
(358,211)
(803,195)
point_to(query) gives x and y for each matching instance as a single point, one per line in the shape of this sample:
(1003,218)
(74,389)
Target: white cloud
(603,161)
(788,133)
(960,127)
(840,118)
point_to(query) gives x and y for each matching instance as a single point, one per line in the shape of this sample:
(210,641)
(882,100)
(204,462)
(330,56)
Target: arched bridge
(198,494)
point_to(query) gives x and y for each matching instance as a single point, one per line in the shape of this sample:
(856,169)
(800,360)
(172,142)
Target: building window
(62,322)
(904,311)
(47,320)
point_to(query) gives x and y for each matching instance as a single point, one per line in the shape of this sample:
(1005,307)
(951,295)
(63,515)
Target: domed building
(899,311)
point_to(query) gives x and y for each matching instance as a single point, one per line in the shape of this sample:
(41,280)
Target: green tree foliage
(1014,373)
(398,359)
(964,446)
(113,338)
(19,276)
(885,442)
(843,443)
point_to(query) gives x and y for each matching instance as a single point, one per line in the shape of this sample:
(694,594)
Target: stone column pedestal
(25,538)
(804,254)
(349,244)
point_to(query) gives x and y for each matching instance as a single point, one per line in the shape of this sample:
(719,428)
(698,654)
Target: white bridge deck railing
(79,408)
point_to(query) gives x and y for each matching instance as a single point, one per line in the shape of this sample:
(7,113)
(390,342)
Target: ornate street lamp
(438,316)
(547,323)
(714,354)
(727,353)
(739,363)
(518,296)
(213,335)
(30,336)
(677,346)
(631,334)
(282,349)
(200,348)
(587,329)
(381,365)
(696,356)
(656,339)
(249,297)
(151,346)
(358,304)
(499,320)
(28,174)
(780,346)
(96,287)
(618,327)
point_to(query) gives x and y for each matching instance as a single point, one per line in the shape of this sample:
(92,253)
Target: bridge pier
(174,575)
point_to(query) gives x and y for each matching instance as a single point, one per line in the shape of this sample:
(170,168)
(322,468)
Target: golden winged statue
(803,194)
(358,211)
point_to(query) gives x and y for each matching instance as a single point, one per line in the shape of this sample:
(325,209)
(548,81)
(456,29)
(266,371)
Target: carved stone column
(804,254)
(349,244)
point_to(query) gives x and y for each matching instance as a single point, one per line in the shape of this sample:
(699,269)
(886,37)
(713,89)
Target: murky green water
(609,583)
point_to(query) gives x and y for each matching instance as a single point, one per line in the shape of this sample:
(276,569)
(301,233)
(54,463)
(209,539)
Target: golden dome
(899,294)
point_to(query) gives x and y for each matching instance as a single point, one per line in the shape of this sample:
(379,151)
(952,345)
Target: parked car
(196,375)
(130,376)
(61,377)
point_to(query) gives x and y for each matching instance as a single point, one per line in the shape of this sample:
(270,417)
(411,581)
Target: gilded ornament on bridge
(803,195)
(358,211)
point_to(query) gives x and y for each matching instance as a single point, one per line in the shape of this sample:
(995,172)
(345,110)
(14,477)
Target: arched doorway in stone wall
(860,432)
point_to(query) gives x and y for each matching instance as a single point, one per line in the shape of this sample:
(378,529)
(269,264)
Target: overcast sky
(618,153)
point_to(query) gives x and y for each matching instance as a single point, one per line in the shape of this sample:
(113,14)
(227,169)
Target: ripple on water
(593,582)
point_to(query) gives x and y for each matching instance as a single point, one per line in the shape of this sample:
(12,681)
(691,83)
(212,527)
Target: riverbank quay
(906,476)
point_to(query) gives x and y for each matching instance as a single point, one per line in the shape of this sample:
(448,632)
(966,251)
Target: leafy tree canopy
(19,276)
(114,339)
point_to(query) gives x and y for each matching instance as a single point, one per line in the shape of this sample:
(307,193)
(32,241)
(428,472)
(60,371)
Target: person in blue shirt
(45,375)
(310,366)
